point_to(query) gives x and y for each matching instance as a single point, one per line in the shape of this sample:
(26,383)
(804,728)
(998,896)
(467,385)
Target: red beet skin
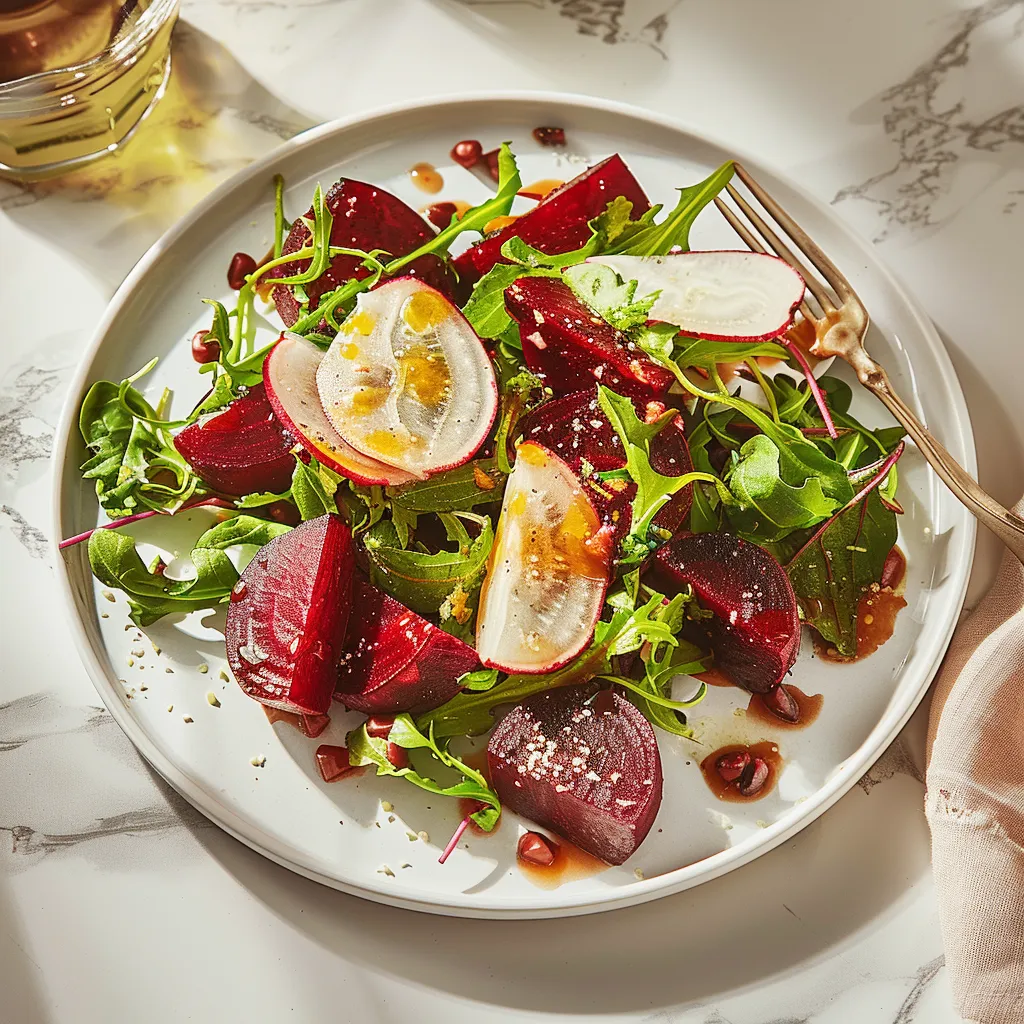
(365,217)
(395,660)
(571,347)
(586,769)
(576,429)
(242,449)
(559,223)
(755,630)
(288,616)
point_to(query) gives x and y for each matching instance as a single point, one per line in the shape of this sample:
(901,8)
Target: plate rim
(641,891)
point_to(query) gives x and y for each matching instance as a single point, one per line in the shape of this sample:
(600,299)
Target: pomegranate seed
(440,214)
(781,703)
(467,152)
(754,776)
(379,726)
(491,158)
(398,756)
(242,265)
(204,351)
(550,136)
(536,849)
(731,766)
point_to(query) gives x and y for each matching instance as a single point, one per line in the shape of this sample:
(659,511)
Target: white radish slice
(722,295)
(407,381)
(289,375)
(548,571)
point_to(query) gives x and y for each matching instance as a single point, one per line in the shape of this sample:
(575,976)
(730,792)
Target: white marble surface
(117,903)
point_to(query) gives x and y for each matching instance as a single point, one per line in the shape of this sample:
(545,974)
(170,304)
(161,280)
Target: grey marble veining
(933,126)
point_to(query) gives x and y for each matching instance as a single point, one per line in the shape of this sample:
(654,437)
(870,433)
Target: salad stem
(454,841)
(812,383)
(125,520)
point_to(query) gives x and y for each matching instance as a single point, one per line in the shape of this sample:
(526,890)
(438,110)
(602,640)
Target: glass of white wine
(76,79)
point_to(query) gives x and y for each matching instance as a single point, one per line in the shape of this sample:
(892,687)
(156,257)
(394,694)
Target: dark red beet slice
(288,616)
(588,770)
(571,347)
(242,449)
(576,429)
(559,223)
(365,217)
(395,660)
(755,630)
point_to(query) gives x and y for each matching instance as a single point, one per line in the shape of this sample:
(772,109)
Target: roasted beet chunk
(754,631)
(365,217)
(576,429)
(586,769)
(571,347)
(395,660)
(288,616)
(560,222)
(241,450)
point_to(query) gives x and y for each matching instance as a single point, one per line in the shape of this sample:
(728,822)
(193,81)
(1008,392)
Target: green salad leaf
(364,749)
(479,482)
(600,288)
(132,459)
(423,581)
(115,562)
(843,557)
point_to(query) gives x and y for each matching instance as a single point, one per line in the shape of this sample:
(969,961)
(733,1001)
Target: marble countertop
(117,901)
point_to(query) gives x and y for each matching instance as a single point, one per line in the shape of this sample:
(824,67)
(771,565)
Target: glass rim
(152,19)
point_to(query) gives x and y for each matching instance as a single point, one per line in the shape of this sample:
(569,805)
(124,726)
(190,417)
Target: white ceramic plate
(340,834)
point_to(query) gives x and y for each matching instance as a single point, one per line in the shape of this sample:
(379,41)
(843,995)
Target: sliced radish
(407,381)
(722,295)
(548,572)
(289,375)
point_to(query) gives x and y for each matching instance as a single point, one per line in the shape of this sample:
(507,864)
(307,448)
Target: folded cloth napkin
(975,803)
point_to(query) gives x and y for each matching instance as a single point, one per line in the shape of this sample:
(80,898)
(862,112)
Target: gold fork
(840,322)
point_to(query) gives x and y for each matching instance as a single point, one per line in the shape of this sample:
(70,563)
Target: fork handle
(1008,527)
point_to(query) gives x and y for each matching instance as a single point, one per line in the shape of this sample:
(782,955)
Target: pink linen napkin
(975,803)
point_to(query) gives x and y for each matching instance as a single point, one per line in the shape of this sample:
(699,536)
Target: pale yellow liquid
(87,111)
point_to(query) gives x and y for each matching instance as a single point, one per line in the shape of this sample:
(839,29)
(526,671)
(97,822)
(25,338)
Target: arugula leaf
(600,288)
(768,506)
(703,354)
(653,489)
(479,679)
(842,558)
(423,581)
(485,309)
(116,563)
(281,226)
(313,489)
(364,749)
(674,230)
(520,394)
(133,459)
(471,712)
(455,490)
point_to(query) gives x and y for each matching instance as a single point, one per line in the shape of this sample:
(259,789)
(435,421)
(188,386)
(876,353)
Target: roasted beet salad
(530,474)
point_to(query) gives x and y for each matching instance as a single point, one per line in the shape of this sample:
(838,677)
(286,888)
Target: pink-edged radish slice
(289,375)
(288,616)
(548,570)
(722,295)
(395,660)
(407,381)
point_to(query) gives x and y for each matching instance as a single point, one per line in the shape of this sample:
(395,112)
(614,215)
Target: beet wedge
(584,766)
(241,450)
(754,630)
(407,381)
(560,222)
(365,217)
(722,295)
(290,378)
(396,661)
(288,616)
(571,347)
(576,429)
(548,571)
